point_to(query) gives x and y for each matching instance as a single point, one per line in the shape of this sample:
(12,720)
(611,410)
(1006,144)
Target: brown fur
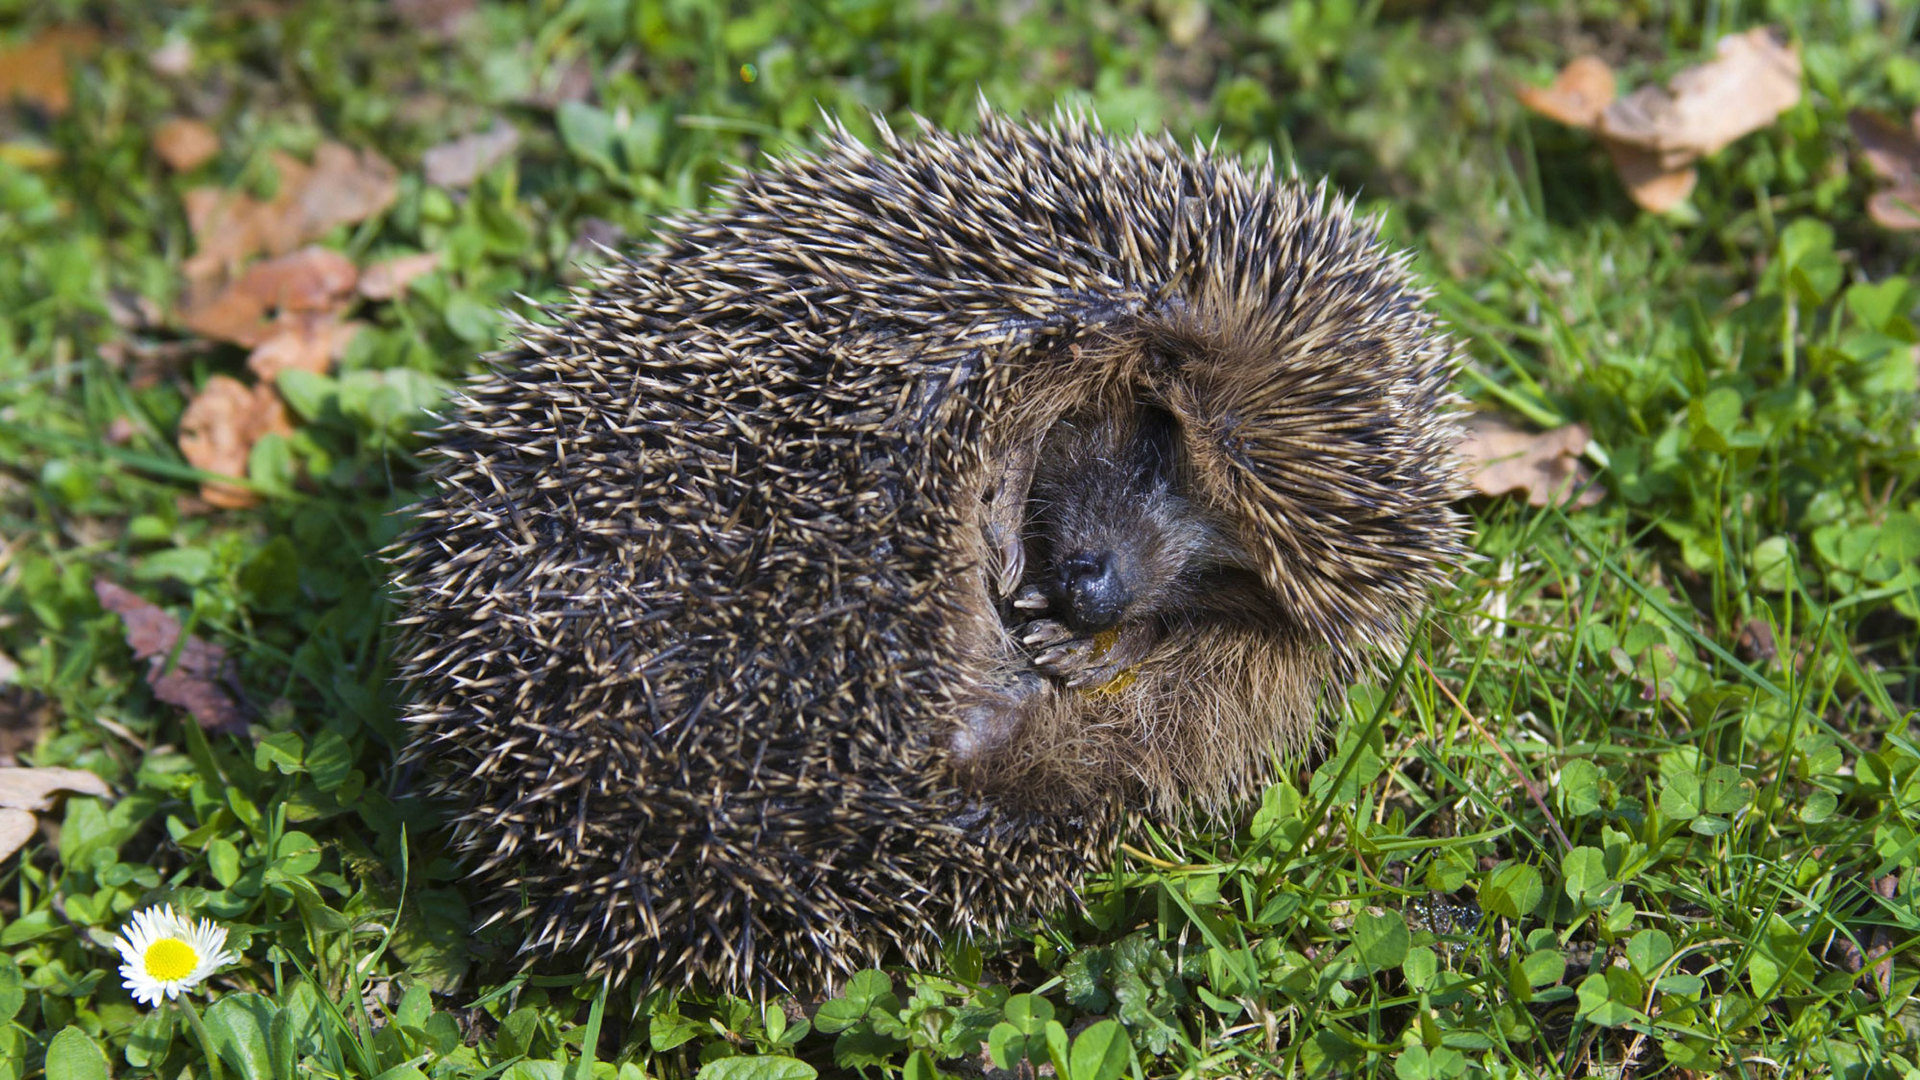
(1203,683)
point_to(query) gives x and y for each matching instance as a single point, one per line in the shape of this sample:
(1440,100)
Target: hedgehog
(844,570)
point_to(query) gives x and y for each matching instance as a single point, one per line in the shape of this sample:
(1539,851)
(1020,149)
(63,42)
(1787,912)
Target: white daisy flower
(166,953)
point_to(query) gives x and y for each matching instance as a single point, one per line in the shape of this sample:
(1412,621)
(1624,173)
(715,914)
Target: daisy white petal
(165,953)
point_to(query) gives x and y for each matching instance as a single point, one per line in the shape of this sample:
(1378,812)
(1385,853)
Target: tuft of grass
(1643,798)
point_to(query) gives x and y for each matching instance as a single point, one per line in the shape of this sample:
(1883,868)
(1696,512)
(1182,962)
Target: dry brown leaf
(1751,81)
(347,186)
(308,342)
(341,187)
(1543,465)
(1581,91)
(36,72)
(16,828)
(458,163)
(564,81)
(230,227)
(32,789)
(1896,208)
(173,58)
(388,278)
(1891,150)
(253,307)
(195,681)
(185,144)
(439,18)
(1756,642)
(218,431)
(1652,187)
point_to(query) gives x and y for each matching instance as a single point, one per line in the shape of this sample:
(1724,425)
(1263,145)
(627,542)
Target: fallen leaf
(346,186)
(16,828)
(1543,465)
(1581,91)
(1750,82)
(36,72)
(1652,187)
(1896,208)
(458,163)
(1655,134)
(185,144)
(561,82)
(218,430)
(174,57)
(340,187)
(32,789)
(388,278)
(310,343)
(1891,150)
(439,18)
(248,310)
(1756,642)
(194,682)
(120,431)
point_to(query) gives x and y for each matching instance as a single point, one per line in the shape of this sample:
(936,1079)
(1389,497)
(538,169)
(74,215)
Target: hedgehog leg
(993,721)
(1006,518)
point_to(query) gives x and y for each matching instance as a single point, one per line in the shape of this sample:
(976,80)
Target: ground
(1642,799)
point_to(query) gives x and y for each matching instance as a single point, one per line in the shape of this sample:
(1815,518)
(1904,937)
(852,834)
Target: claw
(1045,632)
(1010,564)
(1094,676)
(1032,598)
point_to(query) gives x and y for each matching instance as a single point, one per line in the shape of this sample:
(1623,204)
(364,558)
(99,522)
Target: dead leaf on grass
(173,58)
(185,144)
(389,278)
(345,187)
(1896,208)
(16,828)
(341,187)
(1582,90)
(1655,134)
(195,681)
(458,163)
(1750,82)
(1892,152)
(32,789)
(218,430)
(248,310)
(36,72)
(1544,465)
(1652,187)
(309,342)
(1891,149)
(439,18)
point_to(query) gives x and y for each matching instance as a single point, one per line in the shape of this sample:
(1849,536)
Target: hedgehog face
(1110,536)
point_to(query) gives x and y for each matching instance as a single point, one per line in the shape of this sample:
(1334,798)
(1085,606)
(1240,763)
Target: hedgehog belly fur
(710,624)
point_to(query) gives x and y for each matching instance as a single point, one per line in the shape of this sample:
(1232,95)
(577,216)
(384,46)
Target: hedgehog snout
(1093,592)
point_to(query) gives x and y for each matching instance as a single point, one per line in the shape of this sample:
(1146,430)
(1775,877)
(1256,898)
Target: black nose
(1092,591)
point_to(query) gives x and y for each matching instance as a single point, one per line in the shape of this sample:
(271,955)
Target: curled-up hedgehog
(836,573)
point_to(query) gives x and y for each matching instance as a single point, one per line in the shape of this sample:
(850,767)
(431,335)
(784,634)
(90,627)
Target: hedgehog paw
(992,723)
(1063,653)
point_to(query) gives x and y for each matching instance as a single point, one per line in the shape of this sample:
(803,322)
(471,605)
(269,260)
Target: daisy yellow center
(169,959)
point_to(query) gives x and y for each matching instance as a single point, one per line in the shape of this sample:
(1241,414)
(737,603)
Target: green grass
(1588,828)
